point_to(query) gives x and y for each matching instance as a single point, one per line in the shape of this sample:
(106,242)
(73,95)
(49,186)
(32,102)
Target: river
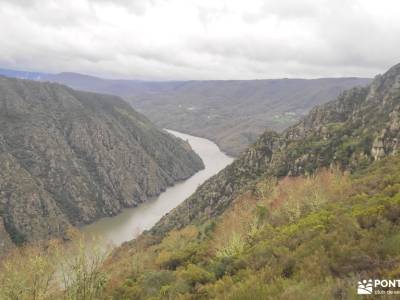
(132,221)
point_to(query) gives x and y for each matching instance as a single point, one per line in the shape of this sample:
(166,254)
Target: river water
(132,221)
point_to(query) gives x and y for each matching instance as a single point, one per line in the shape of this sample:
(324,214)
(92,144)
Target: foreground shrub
(55,270)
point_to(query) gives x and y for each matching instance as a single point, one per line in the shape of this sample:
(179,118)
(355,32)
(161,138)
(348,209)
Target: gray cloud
(201,39)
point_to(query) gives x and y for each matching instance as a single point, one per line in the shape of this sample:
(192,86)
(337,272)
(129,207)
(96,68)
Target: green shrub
(194,274)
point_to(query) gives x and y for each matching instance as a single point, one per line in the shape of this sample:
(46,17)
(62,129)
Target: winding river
(132,221)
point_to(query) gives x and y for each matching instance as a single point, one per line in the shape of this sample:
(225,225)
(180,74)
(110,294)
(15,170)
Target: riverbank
(133,221)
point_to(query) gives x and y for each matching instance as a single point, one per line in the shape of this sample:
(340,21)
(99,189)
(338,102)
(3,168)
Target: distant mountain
(233,113)
(123,88)
(70,157)
(23,74)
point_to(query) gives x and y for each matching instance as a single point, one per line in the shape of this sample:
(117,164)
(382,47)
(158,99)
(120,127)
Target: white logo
(365,287)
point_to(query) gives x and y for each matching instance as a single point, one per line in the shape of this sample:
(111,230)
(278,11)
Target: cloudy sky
(201,39)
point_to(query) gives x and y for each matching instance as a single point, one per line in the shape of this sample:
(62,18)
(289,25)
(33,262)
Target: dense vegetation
(308,237)
(274,225)
(302,238)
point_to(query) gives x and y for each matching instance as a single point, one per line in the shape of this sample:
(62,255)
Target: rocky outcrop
(70,157)
(361,126)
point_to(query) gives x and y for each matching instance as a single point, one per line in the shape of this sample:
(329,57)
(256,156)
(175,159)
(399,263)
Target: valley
(199,150)
(290,216)
(232,113)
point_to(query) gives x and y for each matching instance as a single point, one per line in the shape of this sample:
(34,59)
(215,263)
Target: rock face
(361,126)
(69,157)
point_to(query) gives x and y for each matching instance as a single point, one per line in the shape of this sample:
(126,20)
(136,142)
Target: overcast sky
(201,39)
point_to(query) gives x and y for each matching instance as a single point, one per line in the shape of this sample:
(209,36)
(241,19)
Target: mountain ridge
(70,157)
(232,113)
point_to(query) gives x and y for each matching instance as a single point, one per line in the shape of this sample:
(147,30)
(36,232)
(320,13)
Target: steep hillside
(302,214)
(361,126)
(69,157)
(310,237)
(233,113)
